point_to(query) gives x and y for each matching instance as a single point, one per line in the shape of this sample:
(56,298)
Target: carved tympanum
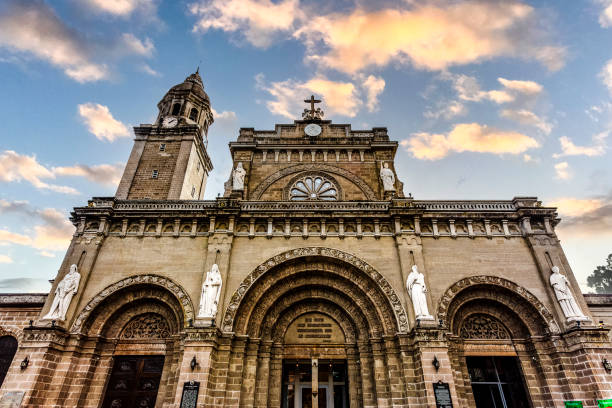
(146,326)
(481,326)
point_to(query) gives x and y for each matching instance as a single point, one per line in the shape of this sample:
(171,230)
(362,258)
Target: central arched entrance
(320,330)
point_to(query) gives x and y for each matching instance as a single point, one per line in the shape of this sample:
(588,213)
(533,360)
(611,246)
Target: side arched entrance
(316,326)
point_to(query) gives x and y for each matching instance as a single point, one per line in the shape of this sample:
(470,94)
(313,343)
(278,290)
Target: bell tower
(169,160)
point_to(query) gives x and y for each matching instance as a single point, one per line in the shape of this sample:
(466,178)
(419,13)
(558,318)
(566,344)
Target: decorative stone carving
(481,326)
(238,177)
(313,188)
(64,292)
(177,291)
(211,290)
(146,326)
(417,289)
(544,315)
(392,298)
(387,177)
(566,299)
(318,167)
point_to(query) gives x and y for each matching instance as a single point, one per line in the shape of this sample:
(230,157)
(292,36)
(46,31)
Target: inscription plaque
(573,404)
(607,403)
(190,394)
(314,328)
(442,394)
(11,399)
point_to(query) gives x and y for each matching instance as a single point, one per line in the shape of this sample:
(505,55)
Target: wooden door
(134,382)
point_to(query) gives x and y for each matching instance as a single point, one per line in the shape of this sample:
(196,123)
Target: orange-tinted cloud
(18,167)
(428,36)
(101,123)
(468,137)
(598,147)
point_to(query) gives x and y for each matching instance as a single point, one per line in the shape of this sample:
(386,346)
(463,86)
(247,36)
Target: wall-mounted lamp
(190,322)
(193,363)
(440,323)
(606,365)
(53,324)
(25,363)
(31,324)
(418,321)
(436,363)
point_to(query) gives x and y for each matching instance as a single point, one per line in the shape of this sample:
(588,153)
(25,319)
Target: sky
(488,100)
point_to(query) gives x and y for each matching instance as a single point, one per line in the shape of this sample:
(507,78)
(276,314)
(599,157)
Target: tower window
(154,174)
(193,191)
(193,114)
(198,167)
(176,109)
(162,147)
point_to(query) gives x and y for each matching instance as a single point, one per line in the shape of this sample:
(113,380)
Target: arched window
(8,348)
(193,114)
(313,188)
(176,109)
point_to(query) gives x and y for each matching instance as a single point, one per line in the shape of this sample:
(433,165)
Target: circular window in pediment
(313,188)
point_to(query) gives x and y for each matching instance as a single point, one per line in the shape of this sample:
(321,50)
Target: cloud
(526,117)
(429,35)
(260,20)
(562,171)
(24,285)
(146,68)
(606,75)
(121,8)
(568,148)
(32,27)
(374,87)
(47,254)
(585,217)
(605,18)
(108,174)
(101,123)
(446,110)
(133,45)
(52,233)
(468,89)
(5,259)
(339,97)
(468,137)
(17,167)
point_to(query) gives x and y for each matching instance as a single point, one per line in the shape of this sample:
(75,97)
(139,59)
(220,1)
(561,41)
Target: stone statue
(64,292)
(211,289)
(388,178)
(238,177)
(417,289)
(566,299)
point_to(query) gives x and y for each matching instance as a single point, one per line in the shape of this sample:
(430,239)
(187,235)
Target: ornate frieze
(481,326)
(146,326)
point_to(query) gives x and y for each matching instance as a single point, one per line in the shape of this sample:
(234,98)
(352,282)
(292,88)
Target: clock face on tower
(169,121)
(312,129)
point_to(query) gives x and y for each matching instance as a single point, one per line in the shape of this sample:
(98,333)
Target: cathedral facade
(312,282)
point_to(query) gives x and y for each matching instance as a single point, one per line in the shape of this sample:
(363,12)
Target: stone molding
(174,288)
(472,281)
(247,283)
(33,299)
(314,167)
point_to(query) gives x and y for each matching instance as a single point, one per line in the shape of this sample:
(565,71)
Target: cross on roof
(312,101)
(313,113)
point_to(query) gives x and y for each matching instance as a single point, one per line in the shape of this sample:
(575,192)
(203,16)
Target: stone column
(263,375)
(249,374)
(276,373)
(367,375)
(354,377)
(381,380)
(315,382)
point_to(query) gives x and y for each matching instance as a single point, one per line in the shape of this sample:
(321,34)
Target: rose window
(313,188)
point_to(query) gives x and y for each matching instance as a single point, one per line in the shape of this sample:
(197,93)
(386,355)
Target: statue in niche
(566,299)
(387,177)
(238,177)
(417,289)
(64,292)
(211,289)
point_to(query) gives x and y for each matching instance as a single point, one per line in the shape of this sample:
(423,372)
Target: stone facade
(342,262)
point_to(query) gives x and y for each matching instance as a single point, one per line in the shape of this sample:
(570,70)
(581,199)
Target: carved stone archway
(529,304)
(367,272)
(154,280)
(318,167)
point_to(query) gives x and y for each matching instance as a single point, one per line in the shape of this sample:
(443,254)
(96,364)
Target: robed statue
(387,177)
(238,177)
(64,292)
(566,299)
(417,289)
(211,290)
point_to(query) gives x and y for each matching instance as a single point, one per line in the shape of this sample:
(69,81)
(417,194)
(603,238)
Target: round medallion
(312,129)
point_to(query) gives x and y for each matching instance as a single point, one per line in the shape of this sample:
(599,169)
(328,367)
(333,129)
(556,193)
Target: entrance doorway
(134,382)
(331,376)
(8,348)
(497,382)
